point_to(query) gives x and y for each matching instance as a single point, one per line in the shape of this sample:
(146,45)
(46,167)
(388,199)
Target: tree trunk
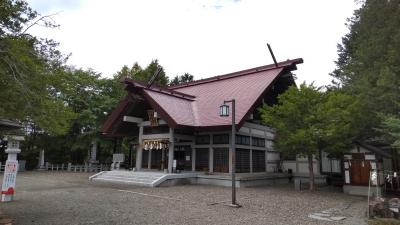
(311,171)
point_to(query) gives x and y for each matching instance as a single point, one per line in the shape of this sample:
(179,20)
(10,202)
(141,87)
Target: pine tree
(368,65)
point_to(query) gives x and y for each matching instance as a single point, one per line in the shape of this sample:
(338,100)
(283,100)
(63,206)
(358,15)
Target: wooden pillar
(139,150)
(149,159)
(162,159)
(211,160)
(251,153)
(193,159)
(171,150)
(251,160)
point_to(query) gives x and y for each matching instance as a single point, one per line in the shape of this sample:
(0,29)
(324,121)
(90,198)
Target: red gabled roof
(196,104)
(202,111)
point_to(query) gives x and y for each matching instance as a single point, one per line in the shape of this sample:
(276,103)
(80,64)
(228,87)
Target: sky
(202,37)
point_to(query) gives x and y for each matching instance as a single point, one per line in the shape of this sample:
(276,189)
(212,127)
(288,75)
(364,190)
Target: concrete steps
(148,179)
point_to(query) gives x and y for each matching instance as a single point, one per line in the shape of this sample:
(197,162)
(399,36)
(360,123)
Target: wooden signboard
(152,118)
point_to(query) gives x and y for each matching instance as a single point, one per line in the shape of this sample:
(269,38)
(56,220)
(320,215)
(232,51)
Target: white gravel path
(69,198)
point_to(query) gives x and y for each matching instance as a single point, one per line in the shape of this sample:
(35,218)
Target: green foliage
(340,121)
(295,120)
(391,129)
(14,15)
(307,121)
(181,79)
(63,107)
(368,63)
(137,73)
(28,68)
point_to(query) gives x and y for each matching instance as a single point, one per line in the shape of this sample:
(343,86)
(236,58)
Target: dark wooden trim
(108,124)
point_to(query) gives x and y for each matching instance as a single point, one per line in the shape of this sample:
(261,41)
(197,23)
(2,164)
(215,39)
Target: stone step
(129,177)
(123,181)
(133,174)
(132,178)
(139,177)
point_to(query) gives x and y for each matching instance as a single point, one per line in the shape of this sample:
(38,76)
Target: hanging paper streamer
(155,144)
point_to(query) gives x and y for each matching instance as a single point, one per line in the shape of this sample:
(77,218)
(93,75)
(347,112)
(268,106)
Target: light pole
(224,111)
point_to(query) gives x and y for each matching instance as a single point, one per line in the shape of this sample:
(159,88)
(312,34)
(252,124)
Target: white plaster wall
(289,165)
(270,135)
(271,167)
(258,132)
(303,168)
(244,130)
(273,156)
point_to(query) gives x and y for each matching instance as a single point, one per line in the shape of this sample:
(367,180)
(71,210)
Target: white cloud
(204,38)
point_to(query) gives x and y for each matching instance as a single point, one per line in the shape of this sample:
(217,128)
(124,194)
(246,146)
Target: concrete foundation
(305,178)
(361,190)
(157,179)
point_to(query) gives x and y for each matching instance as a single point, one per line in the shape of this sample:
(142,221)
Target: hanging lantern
(224,110)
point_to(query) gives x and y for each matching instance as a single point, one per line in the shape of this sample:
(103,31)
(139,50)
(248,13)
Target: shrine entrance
(359,171)
(155,154)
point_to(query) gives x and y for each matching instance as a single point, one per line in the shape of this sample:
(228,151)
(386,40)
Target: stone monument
(41,165)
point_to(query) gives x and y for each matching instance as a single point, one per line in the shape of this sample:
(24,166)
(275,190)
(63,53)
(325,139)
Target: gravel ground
(69,198)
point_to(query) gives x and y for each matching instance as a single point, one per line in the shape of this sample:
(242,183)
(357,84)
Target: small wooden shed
(362,161)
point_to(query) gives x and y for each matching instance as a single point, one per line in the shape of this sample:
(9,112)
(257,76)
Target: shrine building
(179,128)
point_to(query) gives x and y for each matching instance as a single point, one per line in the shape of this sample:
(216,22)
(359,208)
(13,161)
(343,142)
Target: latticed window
(221,139)
(221,160)
(203,139)
(202,159)
(242,140)
(242,160)
(258,161)
(258,142)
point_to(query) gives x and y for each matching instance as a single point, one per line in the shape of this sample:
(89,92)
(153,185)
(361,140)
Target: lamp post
(224,112)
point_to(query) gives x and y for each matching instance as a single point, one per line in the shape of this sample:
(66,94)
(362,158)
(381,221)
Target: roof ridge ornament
(272,55)
(153,78)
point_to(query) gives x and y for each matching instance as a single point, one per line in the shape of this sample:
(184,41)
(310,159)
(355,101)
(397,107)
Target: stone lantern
(11,168)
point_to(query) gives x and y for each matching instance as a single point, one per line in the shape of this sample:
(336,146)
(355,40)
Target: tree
(28,70)
(308,121)
(368,62)
(181,79)
(91,98)
(391,130)
(137,73)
